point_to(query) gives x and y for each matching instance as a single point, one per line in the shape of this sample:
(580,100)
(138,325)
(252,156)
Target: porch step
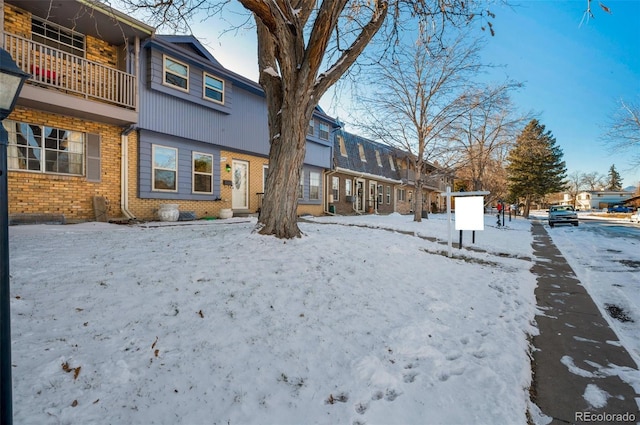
(244,213)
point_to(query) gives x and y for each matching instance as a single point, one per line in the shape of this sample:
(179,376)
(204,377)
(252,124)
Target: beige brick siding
(72,196)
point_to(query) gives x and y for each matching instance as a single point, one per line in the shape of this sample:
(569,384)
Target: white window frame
(348,190)
(380,194)
(215,89)
(165,70)
(53,35)
(388,195)
(391,163)
(314,177)
(265,171)
(363,157)
(200,173)
(378,158)
(301,186)
(402,195)
(311,128)
(343,147)
(323,131)
(75,145)
(335,188)
(154,168)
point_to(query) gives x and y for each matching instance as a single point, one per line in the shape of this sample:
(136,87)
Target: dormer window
(343,148)
(213,88)
(391,163)
(378,159)
(57,37)
(176,74)
(363,158)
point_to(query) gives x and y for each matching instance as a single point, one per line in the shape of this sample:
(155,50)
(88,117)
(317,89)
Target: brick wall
(72,196)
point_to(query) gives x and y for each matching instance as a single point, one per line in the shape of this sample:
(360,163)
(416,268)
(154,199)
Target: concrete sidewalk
(577,355)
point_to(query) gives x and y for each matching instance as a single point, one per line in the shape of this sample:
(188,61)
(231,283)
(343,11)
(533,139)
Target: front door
(372,203)
(240,191)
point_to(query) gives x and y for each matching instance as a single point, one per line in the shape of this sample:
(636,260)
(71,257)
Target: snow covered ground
(363,320)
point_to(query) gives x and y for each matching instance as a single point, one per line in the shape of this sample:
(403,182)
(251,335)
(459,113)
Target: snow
(270,71)
(363,320)
(596,396)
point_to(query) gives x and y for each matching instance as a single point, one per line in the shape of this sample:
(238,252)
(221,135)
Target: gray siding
(185,172)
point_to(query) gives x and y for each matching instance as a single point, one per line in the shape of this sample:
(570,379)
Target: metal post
(449,221)
(6,403)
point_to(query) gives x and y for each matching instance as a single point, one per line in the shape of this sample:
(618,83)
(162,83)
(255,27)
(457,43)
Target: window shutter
(94,173)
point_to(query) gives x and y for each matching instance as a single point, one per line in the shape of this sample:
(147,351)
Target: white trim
(194,172)
(164,73)
(204,88)
(367,175)
(153,168)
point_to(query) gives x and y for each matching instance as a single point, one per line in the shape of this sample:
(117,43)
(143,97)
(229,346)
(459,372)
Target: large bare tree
(416,97)
(623,130)
(304,47)
(480,140)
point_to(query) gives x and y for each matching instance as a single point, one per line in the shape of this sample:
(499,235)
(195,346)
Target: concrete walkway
(577,355)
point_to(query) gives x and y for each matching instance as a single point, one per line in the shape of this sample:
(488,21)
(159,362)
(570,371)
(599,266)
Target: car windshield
(562,208)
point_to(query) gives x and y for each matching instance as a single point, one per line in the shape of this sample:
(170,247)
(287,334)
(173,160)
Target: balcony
(103,93)
(435,181)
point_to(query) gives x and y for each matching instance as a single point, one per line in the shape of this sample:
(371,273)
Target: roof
(353,161)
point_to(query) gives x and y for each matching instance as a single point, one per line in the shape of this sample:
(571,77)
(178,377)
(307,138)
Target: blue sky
(574,69)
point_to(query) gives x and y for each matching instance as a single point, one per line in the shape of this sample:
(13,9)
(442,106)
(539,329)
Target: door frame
(235,165)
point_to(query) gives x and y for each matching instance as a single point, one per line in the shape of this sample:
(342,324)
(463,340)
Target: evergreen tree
(614,181)
(535,166)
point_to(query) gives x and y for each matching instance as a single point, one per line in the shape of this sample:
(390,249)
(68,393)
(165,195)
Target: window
(335,186)
(310,129)
(314,185)
(301,186)
(402,195)
(58,37)
(343,148)
(380,194)
(391,164)
(363,158)
(324,131)
(378,159)
(176,74)
(265,172)
(202,173)
(165,168)
(347,187)
(388,195)
(213,88)
(44,149)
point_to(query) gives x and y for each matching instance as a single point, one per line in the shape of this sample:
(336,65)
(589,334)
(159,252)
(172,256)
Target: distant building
(601,199)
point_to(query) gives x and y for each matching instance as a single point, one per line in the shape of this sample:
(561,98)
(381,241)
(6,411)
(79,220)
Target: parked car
(562,214)
(635,218)
(619,209)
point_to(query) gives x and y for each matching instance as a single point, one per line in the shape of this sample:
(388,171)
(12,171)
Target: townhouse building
(203,139)
(66,133)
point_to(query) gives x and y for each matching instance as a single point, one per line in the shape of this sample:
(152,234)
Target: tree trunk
(278,215)
(417,195)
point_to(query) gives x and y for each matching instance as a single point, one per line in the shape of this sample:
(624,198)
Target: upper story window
(44,149)
(391,163)
(58,37)
(343,148)
(176,74)
(310,129)
(323,132)
(363,158)
(213,88)
(378,159)
(314,185)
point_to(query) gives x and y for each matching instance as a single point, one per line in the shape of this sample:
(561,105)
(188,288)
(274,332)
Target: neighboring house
(66,132)
(365,177)
(203,138)
(601,199)
(435,182)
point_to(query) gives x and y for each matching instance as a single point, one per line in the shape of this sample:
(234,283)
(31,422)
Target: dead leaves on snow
(69,369)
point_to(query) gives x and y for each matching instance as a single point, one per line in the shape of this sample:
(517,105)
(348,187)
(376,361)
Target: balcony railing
(63,71)
(434,181)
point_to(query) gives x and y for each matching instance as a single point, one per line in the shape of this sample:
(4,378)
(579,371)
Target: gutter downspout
(124,172)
